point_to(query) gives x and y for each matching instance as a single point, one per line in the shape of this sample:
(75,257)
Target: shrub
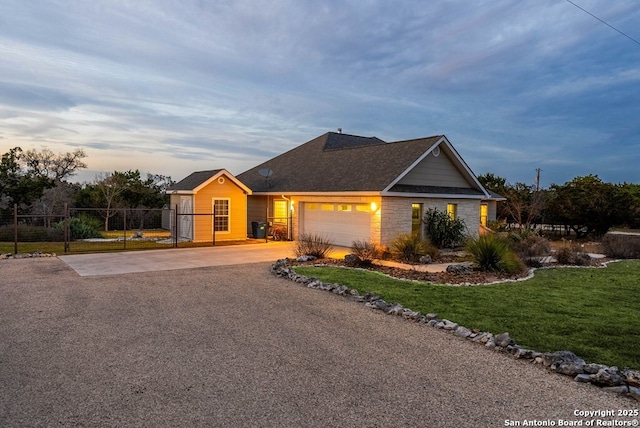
(311,244)
(410,247)
(621,246)
(493,253)
(82,227)
(572,256)
(442,231)
(31,233)
(365,251)
(529,245)
(497,226)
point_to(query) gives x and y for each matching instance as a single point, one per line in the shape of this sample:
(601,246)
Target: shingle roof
(338,163)
(194,179)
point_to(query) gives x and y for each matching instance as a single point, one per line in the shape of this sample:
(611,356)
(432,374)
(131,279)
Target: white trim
(180,192)
(331,194)
(457,158)
(213,202)
(218,175)
(414,164)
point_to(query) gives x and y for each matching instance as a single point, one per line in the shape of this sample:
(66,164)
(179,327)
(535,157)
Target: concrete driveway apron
(185,258)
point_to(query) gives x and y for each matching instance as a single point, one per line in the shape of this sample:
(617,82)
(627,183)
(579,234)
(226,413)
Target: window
(416,218)
(452,210)
(312,207)
(221,215)
(362,208)
(327,207)
(280,214)
(344,207)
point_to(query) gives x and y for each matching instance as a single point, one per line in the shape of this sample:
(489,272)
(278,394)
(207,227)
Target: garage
(343,223)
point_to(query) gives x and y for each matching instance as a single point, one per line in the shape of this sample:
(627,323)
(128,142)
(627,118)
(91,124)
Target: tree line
(585,205)
(38,182)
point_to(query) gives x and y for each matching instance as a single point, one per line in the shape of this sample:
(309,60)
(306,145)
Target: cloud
(192,83)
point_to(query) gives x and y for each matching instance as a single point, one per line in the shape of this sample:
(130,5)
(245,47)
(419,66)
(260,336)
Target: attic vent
(221,180)
(436,152)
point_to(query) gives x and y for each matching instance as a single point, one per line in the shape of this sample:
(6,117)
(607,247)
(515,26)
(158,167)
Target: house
(350,188)
(210,206)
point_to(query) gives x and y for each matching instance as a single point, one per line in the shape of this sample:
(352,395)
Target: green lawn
(594,313)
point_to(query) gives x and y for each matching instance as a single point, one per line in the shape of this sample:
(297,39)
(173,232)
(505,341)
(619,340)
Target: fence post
(67,228)
(15,228)
(175,228)
(213,225)
(124,226)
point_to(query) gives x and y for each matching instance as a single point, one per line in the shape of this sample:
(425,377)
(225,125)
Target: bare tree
(58,167)
(110,187)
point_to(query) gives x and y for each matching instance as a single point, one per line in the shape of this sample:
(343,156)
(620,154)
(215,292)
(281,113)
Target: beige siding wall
(435,171)
(396,214)
(492,210)
(256,211)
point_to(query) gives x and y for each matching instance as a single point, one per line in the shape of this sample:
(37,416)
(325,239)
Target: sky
(175,86)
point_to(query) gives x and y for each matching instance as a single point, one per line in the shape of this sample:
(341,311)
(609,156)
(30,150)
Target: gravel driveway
(235,346)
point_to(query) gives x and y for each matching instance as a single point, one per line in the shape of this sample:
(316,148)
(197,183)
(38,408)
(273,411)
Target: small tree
(442,230)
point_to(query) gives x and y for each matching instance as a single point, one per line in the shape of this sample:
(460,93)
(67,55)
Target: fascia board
(229,176)
(179,192)
(464,165)
(328,194)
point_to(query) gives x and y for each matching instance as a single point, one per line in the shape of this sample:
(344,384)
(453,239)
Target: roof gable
(198,180)
(440,170)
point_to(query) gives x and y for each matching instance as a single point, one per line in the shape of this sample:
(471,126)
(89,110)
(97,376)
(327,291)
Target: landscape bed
(593,312)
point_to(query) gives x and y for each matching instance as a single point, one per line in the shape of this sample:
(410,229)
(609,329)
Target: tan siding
(203,224)
(256,211)
(435,171)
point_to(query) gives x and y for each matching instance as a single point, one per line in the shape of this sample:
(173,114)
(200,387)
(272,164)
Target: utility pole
(538,179)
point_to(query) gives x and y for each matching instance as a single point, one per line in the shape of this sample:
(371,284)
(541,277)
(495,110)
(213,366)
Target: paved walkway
(179,258)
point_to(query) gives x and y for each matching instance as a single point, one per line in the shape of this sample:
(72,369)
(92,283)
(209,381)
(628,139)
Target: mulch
(477,277)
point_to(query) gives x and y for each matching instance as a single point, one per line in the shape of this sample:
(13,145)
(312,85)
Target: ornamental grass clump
(312,244)
(493,253)
(410,247)
(365,251)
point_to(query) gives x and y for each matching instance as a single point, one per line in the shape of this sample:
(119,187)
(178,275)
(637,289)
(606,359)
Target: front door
(416,219)
(186,219)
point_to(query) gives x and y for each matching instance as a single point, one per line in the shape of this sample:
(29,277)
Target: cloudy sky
(174,86)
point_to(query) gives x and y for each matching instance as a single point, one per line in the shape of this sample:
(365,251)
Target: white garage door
(342,223)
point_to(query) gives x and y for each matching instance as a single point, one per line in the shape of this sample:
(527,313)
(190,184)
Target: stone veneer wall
(396,214)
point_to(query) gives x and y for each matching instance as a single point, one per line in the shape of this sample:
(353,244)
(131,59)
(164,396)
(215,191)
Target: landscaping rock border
(624,381)
(35,254)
